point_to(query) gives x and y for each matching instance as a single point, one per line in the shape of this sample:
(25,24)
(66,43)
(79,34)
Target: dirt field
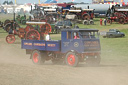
(17,69)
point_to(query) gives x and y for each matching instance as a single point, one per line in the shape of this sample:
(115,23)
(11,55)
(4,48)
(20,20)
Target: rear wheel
(91,22)
(6,21)
(86,17)
(10,38)
(46,28)
(121,20)
(33,35)
(71,59)
(38,57)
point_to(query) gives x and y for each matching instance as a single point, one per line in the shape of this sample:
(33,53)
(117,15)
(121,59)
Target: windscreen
(89,35)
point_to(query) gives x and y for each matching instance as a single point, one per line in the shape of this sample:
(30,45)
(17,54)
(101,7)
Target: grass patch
(114,50)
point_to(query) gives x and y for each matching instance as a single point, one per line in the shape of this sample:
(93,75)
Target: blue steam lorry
(76,45)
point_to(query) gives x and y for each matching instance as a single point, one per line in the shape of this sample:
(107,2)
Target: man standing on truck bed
(47,38)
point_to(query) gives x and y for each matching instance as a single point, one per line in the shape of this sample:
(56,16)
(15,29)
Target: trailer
(76,45)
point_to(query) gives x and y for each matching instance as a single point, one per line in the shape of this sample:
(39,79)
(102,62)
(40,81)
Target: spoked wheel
(109,21)
(121,20)
(9,26)
(10,38)
(86,17)
(38,57)
(33,35)
(6,21)
(71,59)
(46,28)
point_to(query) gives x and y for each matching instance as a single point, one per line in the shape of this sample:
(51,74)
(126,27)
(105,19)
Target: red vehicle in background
(118,14)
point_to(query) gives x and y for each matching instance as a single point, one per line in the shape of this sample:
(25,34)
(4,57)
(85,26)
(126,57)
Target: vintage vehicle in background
(21,19)
(118,14)
(63,24)
(86,15)
(114,33)
(76,45)
(33,31)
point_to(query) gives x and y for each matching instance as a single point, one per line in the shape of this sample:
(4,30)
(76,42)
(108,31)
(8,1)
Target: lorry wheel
(10,38)
(38,57)
(93,61)
(71,59)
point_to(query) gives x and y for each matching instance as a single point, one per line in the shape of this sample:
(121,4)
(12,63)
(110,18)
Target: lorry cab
(80,40)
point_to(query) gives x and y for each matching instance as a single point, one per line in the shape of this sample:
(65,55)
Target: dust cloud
(17,69)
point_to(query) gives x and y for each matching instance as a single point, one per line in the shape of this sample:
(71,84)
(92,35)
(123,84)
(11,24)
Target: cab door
(71,44)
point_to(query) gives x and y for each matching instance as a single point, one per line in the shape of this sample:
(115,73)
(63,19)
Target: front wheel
(122,35)
(71,59)
(38,57)
(10,38)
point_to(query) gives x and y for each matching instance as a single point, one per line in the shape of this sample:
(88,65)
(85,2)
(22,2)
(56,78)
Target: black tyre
(71,59)
(122,35)
(91,22)
(111,36)
(85,22)
(38,57)
(6,21)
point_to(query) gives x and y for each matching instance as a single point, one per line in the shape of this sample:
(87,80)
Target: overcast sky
(36,1)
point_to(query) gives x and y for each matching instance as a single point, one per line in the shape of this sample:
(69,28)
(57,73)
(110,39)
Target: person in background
(105,21)
(101,21)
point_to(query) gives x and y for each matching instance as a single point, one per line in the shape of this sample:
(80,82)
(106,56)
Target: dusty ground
(17,69)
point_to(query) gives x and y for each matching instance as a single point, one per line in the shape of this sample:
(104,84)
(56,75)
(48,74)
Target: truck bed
(41,45)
